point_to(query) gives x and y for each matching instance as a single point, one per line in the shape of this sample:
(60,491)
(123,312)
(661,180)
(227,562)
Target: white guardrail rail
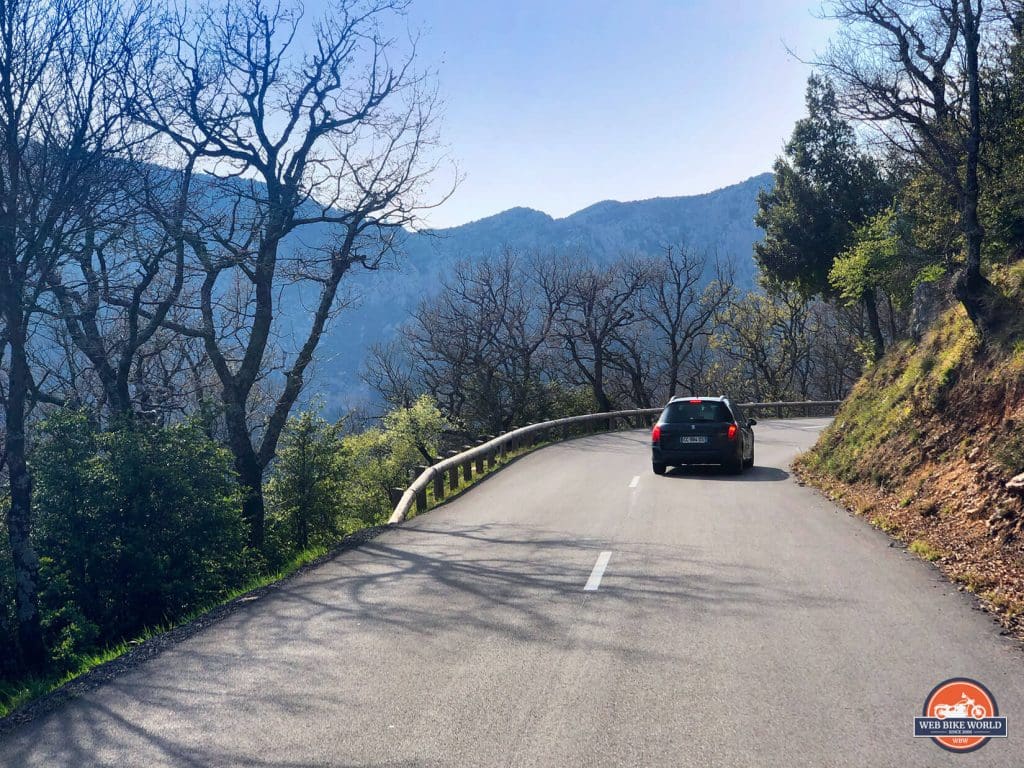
(478,459)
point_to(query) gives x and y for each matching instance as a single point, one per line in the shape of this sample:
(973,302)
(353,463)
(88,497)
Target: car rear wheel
(735,466)
(659,469)
(750,462)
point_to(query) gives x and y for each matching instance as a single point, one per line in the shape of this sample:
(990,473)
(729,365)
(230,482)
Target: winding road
(572,610)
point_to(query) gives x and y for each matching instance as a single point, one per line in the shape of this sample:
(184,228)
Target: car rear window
(706,410)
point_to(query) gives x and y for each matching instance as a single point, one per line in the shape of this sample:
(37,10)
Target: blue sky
(556,105)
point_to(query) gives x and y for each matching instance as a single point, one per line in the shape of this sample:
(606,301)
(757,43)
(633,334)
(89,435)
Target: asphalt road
(739,621)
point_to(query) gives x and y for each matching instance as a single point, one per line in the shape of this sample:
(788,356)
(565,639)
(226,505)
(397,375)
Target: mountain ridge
(766,176)
(718,224)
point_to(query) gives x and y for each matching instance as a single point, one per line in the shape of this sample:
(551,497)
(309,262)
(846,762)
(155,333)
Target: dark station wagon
(702,430)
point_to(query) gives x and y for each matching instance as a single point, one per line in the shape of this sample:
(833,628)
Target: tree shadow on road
(328,647)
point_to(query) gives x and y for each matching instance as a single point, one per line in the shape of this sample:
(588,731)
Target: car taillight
(656,434)
(732,432)
(695,402)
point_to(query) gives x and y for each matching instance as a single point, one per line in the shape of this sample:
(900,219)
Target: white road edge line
(595,575)
(634,482)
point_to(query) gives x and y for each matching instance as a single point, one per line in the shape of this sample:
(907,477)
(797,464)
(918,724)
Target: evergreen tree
(825,188)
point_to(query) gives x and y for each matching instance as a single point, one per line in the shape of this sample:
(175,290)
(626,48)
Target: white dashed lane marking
(595,575)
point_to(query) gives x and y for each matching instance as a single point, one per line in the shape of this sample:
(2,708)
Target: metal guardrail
(476,460)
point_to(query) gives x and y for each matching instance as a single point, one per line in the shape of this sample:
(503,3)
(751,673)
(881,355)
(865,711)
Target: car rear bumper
(692,456)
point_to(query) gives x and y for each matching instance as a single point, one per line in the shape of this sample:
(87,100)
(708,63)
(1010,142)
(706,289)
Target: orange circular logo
(960,715)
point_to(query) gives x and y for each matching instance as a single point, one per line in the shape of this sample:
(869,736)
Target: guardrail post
(467,466)
(395,495)
(565,431)
(421,496)
(439,486)
(452,472)
(480,460)
(778,410)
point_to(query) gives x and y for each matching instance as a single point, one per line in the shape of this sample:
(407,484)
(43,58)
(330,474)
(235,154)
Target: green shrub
(383,458)
(135,526)
(306,489)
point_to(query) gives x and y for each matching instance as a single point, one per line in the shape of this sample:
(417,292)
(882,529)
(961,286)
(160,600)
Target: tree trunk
(248,467)
(874,326)
(250,477)
(19,516)
(972,289)
(603,403)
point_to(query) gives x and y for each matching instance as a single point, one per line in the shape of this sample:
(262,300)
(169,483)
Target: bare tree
(388,371)
(682,308)
(479,347)
(61,119)
(911,68)
(332,142)
(595,309)
(122,281)
(764,345)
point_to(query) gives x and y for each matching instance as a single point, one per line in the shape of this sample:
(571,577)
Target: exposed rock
(1016,485)
(976,513)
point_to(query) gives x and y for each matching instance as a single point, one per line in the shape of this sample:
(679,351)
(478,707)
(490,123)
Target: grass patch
(885,523)
(925,551)
(880,418)
(975,582)
(20,692)
(1006,605)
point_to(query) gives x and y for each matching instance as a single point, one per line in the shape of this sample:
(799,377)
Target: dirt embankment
(923,449)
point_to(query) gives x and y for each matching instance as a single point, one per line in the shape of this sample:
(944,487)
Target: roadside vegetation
(914,136)
(928,440)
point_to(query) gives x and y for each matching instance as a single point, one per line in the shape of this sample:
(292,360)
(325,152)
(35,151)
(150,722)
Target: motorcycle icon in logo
(963,708)
(960,715)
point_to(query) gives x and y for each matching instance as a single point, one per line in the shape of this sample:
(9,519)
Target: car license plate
(693,439)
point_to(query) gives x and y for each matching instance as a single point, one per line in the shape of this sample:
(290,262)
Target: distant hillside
(718,223)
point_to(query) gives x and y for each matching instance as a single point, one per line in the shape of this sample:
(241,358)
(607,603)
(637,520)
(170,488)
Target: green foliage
(880,258)
(925,551)
(825,186)
(1002,204)
(932,215)
(874,255)
(307,487)
(135,526)
(383,458)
